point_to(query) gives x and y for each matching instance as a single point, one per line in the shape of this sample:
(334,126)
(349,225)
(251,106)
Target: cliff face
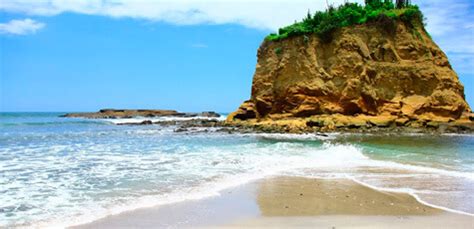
(365,70)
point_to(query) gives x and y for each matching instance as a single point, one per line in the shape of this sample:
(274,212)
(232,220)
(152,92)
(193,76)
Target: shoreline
(272,199)
(205,193)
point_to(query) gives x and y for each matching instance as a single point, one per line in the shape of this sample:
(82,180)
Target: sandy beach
(282,202)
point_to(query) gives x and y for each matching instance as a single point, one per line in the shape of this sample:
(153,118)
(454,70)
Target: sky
(188,55)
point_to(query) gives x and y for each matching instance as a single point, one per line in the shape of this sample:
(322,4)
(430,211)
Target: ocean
(66,171)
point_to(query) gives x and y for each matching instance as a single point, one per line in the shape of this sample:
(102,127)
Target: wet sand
(312,197)
(283,202)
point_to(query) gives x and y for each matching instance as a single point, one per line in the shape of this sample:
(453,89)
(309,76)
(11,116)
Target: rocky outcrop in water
(365,77)
(122,113)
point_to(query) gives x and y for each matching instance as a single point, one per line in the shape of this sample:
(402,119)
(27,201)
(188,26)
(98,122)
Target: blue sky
(185,55)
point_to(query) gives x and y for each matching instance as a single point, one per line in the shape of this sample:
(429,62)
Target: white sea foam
(86,176)
(412,192)
(302,137)
(136,120)
(265,164)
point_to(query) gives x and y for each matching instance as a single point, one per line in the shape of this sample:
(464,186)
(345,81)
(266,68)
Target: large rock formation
(367,75)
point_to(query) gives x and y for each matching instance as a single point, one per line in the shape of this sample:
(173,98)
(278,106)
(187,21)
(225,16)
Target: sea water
(65,171)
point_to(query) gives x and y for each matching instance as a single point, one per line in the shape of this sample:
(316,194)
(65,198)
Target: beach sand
(283,202)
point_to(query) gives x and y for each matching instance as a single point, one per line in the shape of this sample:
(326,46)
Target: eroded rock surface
(370,76)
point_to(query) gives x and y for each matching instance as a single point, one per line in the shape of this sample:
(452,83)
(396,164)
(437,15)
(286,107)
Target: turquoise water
(62,171)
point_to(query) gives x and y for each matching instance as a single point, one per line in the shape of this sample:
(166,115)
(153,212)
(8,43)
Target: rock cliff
(367,75)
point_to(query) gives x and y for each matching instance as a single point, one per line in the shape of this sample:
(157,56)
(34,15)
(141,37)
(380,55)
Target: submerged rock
(145,122)
(210,114)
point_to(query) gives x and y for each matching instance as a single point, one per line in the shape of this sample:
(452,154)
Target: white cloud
(21,27)
(260,14)
(449,22)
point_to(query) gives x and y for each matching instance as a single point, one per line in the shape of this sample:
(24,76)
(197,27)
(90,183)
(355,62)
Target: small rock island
(355,68)
(126,113)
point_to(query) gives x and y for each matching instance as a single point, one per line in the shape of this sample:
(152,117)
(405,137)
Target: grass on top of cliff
(325,23)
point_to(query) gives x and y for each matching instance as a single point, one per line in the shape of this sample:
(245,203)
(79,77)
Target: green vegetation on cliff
(325,23)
